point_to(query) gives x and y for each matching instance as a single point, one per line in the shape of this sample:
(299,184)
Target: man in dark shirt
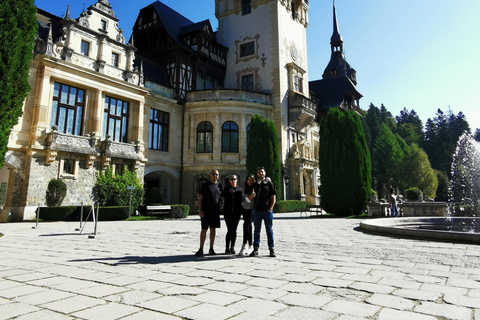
(209,210)
(264,194)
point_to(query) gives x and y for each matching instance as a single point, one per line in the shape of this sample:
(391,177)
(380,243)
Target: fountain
(463,208)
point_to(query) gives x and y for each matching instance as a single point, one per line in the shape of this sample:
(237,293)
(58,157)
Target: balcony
(301,111)
(228,95)
(57,141)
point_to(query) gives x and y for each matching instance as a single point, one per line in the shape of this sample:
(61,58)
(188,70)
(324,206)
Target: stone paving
(324,269)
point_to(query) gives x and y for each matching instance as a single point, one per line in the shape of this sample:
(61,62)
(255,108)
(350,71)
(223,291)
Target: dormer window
(103,25)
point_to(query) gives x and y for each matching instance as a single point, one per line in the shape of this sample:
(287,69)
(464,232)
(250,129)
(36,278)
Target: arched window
(204,137)
(229,137)
(248,133)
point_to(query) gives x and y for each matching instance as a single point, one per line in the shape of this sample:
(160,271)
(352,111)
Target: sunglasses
(233,179)
(214,174)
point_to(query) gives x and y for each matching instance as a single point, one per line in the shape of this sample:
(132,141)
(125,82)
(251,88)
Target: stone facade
(81,65)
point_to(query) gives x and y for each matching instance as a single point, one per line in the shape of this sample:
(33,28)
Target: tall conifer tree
(345,168)
(18,27)
(262,150)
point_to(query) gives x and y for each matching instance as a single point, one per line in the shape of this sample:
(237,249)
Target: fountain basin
(459,229)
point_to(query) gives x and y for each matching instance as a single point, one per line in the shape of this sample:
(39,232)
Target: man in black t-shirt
(264,194)
(209,210)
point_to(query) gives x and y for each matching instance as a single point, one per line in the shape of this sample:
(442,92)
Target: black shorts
(210,221)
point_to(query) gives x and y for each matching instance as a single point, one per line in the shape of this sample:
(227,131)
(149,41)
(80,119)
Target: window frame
(230,137)
(203,134)
(248,86)
(84,43)
(108,117)
(115,59)
(246,7)
(75,111)
(158,130)
(247,49)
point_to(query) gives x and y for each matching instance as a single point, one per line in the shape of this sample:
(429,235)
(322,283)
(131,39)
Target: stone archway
(165,180)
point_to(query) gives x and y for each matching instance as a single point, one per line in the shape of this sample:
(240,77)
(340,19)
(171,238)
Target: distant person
(264,194)
(247,216)
(393,203)
(209,210)
(232,211)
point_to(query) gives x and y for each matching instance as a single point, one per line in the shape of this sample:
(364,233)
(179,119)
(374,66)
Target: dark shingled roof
(332,91)
(153,71)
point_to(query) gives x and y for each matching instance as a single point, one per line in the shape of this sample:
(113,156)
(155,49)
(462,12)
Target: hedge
(72,213)
(179,211)
(282,206)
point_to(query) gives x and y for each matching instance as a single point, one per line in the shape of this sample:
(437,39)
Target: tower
(267,53)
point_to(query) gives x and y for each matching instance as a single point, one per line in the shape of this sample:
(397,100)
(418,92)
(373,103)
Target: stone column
(97,112)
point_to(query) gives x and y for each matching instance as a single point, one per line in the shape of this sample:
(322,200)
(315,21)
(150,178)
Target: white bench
(312,208)
(151,210)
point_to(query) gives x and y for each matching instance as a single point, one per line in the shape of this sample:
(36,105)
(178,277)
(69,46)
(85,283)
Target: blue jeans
(266,216)
(393,211)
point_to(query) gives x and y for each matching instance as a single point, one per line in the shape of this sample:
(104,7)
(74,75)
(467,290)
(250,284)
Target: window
(115,58)
(67,109)
(158,130)
(248,132)
(298,84)
(246,7)
(85,48)
(247,82)
(103,24)
(205,137)
(115,119)
(229,137)
(68,166)
(247,49)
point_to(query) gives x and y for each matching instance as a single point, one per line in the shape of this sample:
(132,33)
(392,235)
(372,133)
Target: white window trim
(76,169)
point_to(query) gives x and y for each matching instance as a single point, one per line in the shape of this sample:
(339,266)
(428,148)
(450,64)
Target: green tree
(418,172)
(388,152)
(476,135)
(410,127)
(262,150)
(18,27)
(441,136)
(111,189)
(344,163)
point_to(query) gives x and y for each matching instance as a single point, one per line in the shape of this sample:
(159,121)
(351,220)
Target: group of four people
(255,202)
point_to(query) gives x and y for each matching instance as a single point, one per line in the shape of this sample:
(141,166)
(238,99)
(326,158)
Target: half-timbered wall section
(193,58)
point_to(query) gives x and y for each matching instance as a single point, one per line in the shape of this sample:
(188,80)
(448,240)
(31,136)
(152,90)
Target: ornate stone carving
(106,162)
(51,156)
(90,160)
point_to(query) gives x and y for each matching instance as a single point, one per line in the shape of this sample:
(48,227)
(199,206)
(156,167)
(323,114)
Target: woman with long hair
(247,208)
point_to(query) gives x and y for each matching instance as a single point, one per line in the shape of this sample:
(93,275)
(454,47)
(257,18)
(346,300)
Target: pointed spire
(67,14)
(336,40)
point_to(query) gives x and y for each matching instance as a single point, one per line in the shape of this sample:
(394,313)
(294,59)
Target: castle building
(173,102)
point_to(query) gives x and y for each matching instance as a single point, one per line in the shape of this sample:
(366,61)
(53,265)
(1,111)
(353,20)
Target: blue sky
(417,54)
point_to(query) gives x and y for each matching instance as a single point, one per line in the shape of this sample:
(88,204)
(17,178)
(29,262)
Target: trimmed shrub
(154,197)
(282,206)
(112,213)
(56,192)
(414,194)
(179,211)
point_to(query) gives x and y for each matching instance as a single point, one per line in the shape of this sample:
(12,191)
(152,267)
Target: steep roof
(331,92)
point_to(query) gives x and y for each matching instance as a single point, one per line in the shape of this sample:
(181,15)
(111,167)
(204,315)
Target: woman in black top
(233,197)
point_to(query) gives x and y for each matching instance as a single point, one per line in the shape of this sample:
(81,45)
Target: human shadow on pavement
(128,260)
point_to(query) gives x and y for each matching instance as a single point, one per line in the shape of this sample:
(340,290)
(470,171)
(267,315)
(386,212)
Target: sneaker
(272,253)
(211,252)
(254,253)
(243,251)
(250,249)
(199,253)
